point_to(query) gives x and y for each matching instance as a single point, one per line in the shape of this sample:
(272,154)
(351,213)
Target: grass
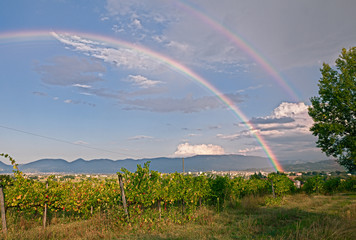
(292,217)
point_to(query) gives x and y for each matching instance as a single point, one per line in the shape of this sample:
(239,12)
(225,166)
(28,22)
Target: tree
(333,111)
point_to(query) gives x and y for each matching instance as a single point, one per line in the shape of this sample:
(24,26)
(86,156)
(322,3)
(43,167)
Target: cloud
(193,135)
(128,13)
(214,127)
(247,151)
(286,109)
(178,46)
(289,34)
(69,71)
(285,131)
(286,120)
(127,58)
(86,93)
(140,137)
(41,94)
(136,23)
(271,120)
(70,101)
(180,32)
(251,88)
(142,81)
(188,104)
(185,149)
(82,86)
(230,136)
(117,29)
(80,142)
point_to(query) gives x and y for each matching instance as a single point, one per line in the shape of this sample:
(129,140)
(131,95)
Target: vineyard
(150,196)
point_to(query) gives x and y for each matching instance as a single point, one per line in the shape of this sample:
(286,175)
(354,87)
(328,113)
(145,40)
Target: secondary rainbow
(174,65)
(240,43)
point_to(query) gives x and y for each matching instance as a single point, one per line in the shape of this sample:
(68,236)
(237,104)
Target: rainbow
(240,43)
(9,37)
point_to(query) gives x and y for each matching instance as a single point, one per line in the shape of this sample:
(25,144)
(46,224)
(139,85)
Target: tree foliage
(333,111)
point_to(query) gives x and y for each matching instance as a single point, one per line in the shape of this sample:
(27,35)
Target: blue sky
(72,95)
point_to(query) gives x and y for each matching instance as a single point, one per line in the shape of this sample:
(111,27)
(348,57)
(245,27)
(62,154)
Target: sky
(159,78)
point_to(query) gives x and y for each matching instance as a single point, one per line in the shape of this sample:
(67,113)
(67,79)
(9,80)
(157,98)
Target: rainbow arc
(171,63)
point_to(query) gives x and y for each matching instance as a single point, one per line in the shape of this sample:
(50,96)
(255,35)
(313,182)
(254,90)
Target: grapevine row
(145,190)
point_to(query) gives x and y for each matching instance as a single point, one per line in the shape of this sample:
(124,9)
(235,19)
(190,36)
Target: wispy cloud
(127,58)
(82,85)
(188,104)
(250,88)
(136,20)
(71,101)
(69,71)
(80,142)
(140,137)
(250,151)
(231,136)
(142,81)
(271,120)
(193,135)
(41,94)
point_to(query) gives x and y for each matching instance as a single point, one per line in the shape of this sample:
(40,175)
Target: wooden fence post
(45,208)
(159,209)
(123,196)
(3,214)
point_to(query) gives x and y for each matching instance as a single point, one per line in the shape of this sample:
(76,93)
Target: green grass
(292,217)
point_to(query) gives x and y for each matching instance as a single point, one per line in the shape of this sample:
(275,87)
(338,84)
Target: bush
(281,183)
(348,185)
(219,189)
(313,184)
(331,185)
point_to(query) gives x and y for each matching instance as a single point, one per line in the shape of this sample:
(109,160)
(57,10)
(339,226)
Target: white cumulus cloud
(285,131)
(288,119)
(185,149)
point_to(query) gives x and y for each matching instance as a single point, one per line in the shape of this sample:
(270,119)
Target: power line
(64,141)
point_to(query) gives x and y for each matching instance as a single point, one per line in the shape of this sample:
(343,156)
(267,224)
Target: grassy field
(292,217)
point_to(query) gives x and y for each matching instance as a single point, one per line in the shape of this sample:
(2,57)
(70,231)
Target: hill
(167,165)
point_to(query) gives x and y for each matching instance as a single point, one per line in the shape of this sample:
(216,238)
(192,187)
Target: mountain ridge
(198,163)
(162,164)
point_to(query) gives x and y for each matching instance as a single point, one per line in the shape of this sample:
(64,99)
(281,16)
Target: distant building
(298,183)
